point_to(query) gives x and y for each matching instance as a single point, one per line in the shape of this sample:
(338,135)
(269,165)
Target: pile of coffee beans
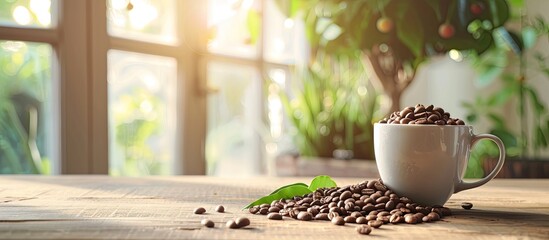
(420,114)
(368,203)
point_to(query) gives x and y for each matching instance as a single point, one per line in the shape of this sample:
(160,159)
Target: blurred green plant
(25,76)
(136,123)
(398,35)
(516,90)
(332,106)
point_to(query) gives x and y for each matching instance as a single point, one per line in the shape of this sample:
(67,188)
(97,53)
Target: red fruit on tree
(476,9)
(446,30)
(385,25)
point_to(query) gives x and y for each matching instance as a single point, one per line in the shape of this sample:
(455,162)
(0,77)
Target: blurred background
(263,87)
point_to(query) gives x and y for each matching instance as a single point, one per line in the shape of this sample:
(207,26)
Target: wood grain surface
(101,207)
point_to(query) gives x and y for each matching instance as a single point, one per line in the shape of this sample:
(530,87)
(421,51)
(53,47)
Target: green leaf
(410,31)
(435,5)
(538,105)
(529,37)
(508,139)
(253,23)
(541,140)
(322,181)
(285,192)
(289,185)
(499,11)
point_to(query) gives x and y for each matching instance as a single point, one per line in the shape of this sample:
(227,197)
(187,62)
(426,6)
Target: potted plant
(525,143)
(332,106)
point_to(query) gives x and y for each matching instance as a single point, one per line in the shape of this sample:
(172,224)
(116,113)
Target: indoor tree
(396,36)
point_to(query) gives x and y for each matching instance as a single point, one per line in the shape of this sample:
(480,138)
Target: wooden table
(101,207)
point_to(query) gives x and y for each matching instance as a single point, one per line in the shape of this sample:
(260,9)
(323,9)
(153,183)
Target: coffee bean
(396,218)
(274,216)
(220,209)
(382,199)
(254,209)
(274,209)
(263,211)
(231,224)
(265,205)
(322,216)
(338,220)
(350,219)
(364,229)
(375,223)
(446,212)
(426,219)
(356,214)
(199,210)
(304,216)
(434,216)
(411,218)
(313,211)
(207,223)
(242,222)
(466,205)
(361,220)
(345,195)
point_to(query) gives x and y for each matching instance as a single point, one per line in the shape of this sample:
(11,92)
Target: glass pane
(233,144)
(285,42)
(26,13)
(234,27)
(142,20)
(26,119)
(142,113)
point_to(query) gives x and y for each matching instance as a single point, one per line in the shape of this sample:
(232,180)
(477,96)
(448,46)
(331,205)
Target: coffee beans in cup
(425,115)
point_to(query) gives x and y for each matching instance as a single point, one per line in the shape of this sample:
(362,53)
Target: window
(28,133)
(139,87)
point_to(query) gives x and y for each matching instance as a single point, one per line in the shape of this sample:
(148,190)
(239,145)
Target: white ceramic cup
(426,163)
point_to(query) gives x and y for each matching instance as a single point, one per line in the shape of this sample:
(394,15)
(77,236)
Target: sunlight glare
(21,15)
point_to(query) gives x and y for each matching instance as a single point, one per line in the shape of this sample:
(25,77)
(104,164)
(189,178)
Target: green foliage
(515,90)
(24,71)
(332,106)
(295,189)
(415,35)
(322,181)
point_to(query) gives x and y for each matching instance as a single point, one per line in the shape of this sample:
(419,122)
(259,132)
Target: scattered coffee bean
(220,209)
(364,229)
(199,210)
(231,224)
(466,205)
(420,114)
(338,220)
(242,222)
(207,223)
(274,216)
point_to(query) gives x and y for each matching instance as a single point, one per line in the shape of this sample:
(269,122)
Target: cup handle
(461,185)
